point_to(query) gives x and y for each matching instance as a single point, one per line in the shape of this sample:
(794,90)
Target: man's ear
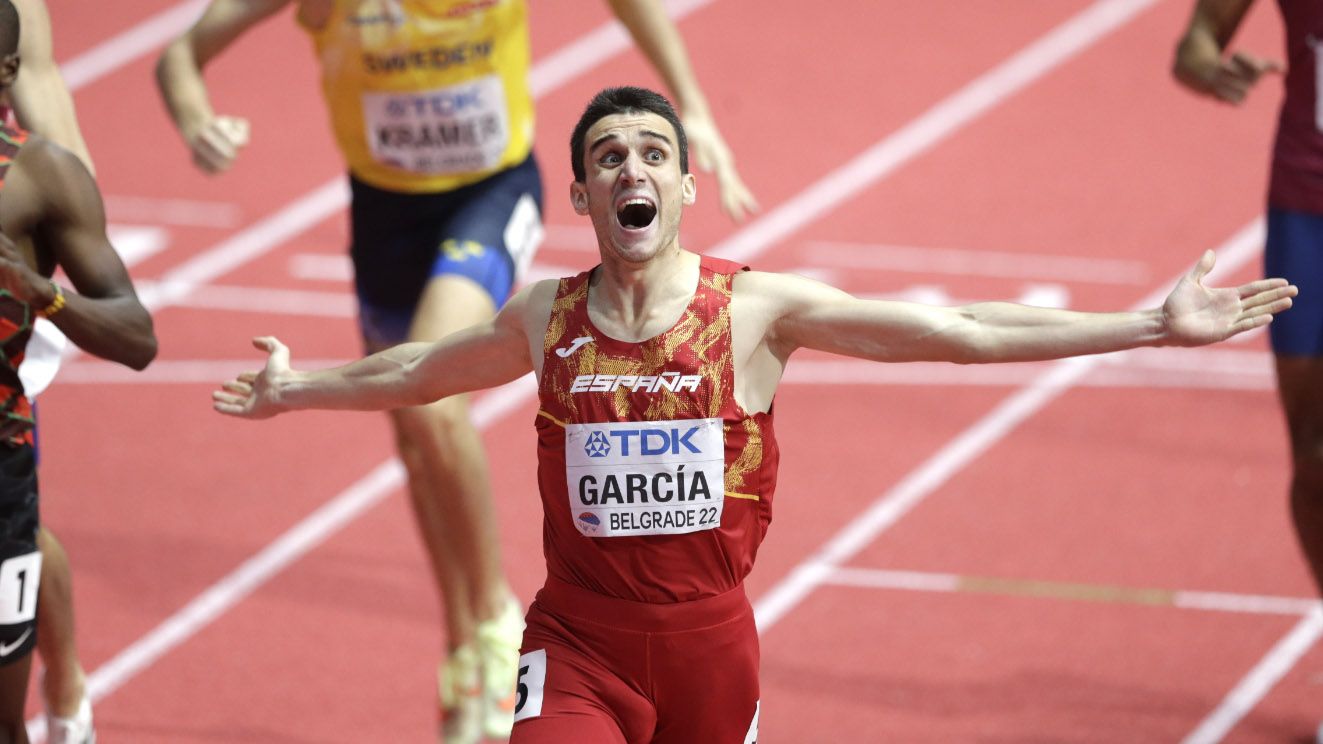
(579,197)
(8,69)
(688,189)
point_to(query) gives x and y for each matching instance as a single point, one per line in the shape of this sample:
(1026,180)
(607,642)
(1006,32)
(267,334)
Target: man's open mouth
(633,214)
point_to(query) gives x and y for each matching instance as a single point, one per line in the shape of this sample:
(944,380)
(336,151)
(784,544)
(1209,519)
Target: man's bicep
(797,312)
(73,227)
(827,319)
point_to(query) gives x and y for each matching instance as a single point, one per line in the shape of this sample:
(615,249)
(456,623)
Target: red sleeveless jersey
(16,318)
(1297,168)
(656,485)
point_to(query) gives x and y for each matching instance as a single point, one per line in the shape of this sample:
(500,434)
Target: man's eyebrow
(658,135)
(614,136)
(604,138)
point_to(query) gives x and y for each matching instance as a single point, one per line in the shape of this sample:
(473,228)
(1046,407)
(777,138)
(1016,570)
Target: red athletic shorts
(597,670)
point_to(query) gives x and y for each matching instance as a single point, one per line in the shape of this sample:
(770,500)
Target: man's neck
(633,302)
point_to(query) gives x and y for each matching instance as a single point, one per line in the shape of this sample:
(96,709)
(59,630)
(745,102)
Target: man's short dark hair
(8,28)
(624,100)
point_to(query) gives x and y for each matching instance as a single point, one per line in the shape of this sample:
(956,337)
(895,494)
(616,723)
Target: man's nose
(632,171)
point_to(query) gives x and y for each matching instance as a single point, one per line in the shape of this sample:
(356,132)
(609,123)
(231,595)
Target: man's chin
(635,246)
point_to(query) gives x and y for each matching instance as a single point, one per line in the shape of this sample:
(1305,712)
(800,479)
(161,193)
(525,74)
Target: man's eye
(610,158)
(655,155)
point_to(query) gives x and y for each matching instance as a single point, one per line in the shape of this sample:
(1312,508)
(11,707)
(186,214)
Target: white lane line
(895,503)
(174,371)
(938,123)
(1250,603)
(929,581)
(1203,368)
(321,267)
(120,50)
(748,242)
(1255,685)
(963,262)
(248,244)
(183,212)
(264,300)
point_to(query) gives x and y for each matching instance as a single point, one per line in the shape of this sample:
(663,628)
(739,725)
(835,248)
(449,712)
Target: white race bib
(456,129)
(20,576)
(645,477)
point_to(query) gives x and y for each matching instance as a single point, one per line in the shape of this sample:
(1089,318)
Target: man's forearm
(182,88)
(1007,332)
(378,382)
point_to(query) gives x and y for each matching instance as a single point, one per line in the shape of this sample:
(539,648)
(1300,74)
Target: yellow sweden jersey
(427,95)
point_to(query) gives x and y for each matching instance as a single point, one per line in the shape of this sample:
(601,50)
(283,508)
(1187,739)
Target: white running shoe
(76,730)
(459,689)
(498,647)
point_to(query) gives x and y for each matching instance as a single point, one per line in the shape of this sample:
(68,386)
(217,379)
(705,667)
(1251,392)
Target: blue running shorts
(486,231)
(1294,250)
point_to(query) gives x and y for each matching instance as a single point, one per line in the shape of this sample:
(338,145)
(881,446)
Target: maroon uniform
(657,491)
(1297,167)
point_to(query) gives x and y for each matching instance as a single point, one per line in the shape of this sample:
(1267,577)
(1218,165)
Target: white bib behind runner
(41,359)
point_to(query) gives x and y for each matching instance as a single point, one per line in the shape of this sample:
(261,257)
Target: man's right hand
(1232,80)
(255,395)
(216,145)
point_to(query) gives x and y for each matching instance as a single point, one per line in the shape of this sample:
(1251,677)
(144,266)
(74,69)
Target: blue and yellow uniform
(431,107)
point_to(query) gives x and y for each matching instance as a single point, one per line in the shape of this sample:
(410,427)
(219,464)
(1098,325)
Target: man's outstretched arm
(802,313)
(482,356)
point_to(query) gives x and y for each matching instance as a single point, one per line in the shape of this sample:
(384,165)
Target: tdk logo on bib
(645,441)
(597,446)
(645,477)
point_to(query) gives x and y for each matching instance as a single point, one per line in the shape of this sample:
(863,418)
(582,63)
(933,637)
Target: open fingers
(1267,295)
(229,403)
(1273,301)
(1261,285)
(239,387)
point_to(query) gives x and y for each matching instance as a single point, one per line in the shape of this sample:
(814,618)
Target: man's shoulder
(761,282)
(39,155)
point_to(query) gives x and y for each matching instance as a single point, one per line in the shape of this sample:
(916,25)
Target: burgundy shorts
(597,670)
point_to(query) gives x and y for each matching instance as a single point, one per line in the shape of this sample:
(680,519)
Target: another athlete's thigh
(394,240)
(1294,250)
(1302,401)
(493,230)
